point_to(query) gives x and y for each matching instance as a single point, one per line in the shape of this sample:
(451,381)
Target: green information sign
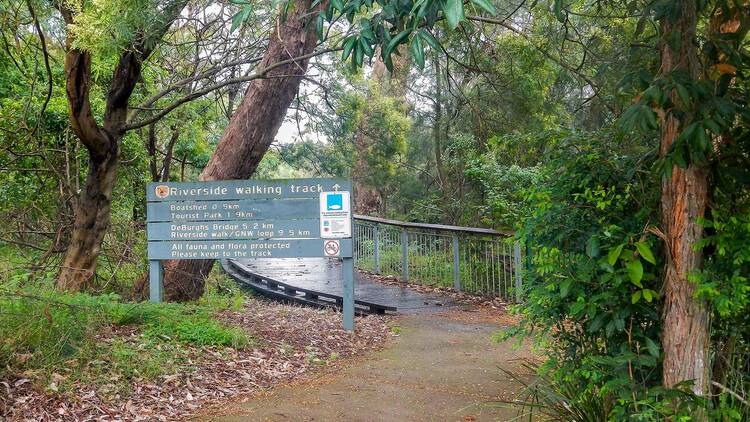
(247,219)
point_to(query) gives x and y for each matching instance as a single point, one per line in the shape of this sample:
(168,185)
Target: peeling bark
(684,197)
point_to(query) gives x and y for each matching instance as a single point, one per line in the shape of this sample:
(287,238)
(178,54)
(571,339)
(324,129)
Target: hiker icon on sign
(334,202)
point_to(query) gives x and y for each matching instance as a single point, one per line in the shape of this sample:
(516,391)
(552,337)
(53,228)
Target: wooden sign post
(245,219)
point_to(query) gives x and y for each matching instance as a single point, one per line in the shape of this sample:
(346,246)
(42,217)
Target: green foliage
(504,132)
(725,279)
(503,188)
(105,27)
(40,329)
(389,24)
(593,287)
(380,123)
(246,9)
(708,103)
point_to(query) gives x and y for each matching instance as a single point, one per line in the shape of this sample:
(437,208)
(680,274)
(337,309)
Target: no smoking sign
(331,248)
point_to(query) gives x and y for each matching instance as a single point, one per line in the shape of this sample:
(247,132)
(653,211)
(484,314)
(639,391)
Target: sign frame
(241,219)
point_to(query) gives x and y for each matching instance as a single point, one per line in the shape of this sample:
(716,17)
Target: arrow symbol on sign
(336,187)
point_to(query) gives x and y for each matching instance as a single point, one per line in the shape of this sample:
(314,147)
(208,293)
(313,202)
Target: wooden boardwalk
(324,275)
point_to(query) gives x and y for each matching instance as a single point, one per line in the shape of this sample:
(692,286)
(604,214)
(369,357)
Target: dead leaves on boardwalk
(289,342)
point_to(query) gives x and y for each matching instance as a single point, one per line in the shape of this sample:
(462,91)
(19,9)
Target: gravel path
(442,367)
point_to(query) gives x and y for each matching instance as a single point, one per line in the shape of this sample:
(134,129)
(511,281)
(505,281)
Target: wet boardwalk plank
(324,275)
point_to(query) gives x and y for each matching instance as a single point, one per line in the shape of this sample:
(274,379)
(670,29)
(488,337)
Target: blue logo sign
(334,202)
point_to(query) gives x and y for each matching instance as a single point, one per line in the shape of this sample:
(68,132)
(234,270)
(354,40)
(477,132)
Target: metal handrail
(469,259)
(440,227)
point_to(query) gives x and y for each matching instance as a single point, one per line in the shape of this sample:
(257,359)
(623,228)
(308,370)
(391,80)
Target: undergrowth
(58,338)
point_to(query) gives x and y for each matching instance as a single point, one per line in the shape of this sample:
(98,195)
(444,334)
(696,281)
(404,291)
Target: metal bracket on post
(155,277)
(376,236)
(405,255)
(456,266)
(517,267)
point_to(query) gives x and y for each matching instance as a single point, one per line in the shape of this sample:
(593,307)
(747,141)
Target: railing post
(517,267)
(456,265)
(404,255)
(376,253)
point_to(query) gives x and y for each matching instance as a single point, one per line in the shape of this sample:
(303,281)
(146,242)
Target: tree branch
(545,53)
(45,55)
(179,84)
(199,93)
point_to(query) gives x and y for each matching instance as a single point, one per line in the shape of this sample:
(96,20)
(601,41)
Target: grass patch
(186,323)
(61,338)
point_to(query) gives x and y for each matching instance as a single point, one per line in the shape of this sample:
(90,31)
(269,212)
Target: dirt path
(442,367)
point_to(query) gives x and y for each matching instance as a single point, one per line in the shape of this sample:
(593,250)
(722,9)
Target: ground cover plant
(76,356)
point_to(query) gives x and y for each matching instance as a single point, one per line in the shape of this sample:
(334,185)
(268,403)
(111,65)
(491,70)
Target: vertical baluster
(517,265)
(444,245)
(404,255)
(376,248)
(486,274)
(470,263)
(437,264)
(472,260)
(418,254)
(456,269)
(505,266)
(414,256)
(491,270)
(495,275)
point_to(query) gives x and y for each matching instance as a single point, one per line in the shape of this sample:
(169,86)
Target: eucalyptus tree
(253,126)
(197,58)
(102,137)
(380,124)
(695,95)
(372,27)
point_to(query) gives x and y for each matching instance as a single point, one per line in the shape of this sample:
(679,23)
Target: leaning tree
(380,28)
(197,56)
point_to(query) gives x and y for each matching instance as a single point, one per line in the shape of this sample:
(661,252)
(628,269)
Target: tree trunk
(92,214)
(169,153)
(250,132)
(367,198)
(437,131)
(686,319)
(92,218)
(153,162)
